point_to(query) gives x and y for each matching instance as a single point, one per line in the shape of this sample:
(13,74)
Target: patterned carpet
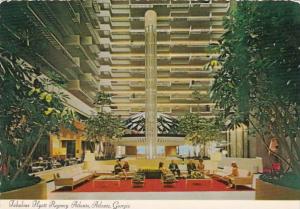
(153,185)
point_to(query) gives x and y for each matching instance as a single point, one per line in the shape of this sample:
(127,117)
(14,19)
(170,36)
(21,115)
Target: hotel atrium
(90,85)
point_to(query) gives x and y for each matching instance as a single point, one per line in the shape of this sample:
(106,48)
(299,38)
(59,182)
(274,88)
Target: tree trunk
(296,148)
(267,146)
(101,148)
(97,149)
(289,117)
(282,136)
(204,146)
(28,157)
(294,163)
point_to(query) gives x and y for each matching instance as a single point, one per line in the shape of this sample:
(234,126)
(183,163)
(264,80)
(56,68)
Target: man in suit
(191,167)
(118,167)
(174,168)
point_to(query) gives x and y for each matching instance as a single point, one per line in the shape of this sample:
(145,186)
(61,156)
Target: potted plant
(29,110)
(258,83)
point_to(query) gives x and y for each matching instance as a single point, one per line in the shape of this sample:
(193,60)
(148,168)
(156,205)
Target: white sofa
(72,177)
(222,172)
(245,177)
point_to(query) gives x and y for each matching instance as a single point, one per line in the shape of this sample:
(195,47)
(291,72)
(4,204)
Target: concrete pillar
(150,82)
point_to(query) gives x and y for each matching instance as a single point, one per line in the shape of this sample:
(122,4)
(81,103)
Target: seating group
(138,176)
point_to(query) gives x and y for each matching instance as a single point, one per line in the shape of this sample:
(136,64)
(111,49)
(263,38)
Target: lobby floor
(194,195)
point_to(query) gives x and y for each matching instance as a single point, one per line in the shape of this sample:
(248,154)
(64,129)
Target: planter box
(48,174)
(151,174)
(37,191)
(268,191)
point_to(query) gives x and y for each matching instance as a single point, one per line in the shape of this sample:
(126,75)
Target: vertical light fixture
(150,83)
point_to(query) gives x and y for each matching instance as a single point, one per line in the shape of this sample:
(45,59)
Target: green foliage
(28,112)
(288,180)
(104,125)
(24,180)
(199,130)
(197,95)
(259,79)
(197,175)
(213,48)
(102,98)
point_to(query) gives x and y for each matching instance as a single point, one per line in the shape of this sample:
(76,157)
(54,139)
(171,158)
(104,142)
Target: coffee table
(108,178)
(198,179)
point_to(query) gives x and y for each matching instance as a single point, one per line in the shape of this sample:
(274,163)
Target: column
(150,83)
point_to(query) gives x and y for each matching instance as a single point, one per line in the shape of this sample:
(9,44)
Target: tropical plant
(104,127)
(29,111)
(258,84)
(199,130)
(198,97)
(102,99)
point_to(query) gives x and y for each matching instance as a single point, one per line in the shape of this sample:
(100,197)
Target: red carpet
(152,185)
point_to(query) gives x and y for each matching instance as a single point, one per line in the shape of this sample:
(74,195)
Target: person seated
(173,167)
(49,165)
(162,168)
(234,173)
(191,167)
(200,166)
(125,169)
(126,166)
(61,161)
(117,168)
(168,177)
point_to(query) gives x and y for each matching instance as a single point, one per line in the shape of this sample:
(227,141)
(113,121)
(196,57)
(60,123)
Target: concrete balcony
(105,56)
(199,85)
(104,16)
(119,11)
(105,68)
(137,100)
(105,83)
(105,29)
(163,84)
(105,4)
(75,88)
(105,42)
(87,80)
(121,112)
(120,99)
(120,87)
